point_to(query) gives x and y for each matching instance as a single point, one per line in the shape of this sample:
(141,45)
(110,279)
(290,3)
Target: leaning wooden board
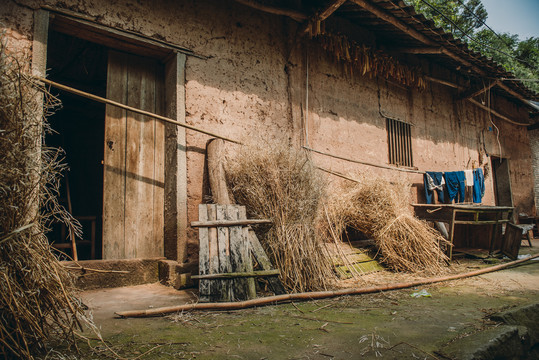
(224,249)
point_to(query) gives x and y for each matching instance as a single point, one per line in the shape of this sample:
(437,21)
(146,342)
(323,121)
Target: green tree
(459,17)
(466,20)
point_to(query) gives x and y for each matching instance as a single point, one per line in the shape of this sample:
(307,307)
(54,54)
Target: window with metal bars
(399,141)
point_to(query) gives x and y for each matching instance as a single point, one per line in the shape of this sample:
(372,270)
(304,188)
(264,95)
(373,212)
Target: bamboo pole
(129,108)
(312,295)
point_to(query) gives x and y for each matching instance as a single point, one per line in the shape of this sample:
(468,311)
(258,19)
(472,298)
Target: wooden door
(133,184)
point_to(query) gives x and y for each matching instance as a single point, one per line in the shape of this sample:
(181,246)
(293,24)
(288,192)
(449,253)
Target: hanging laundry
(468,174)
(478,185)
(434,181)
(456,185)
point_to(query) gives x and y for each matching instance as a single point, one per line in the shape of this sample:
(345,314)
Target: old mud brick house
(364,80)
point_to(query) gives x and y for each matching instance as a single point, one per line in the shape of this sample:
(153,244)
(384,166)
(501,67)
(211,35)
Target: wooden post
(216,171)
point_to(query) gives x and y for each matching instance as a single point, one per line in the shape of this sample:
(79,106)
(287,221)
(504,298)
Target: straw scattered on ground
(380,210)
(280,183)
(37,302)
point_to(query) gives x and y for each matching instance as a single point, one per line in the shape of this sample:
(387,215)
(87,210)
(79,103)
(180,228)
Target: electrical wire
(469,36)
(492,122)
(482,22)
(512,79)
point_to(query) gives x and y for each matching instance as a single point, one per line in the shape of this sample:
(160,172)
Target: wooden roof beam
(418,50)
(322,14)
(296,15)
(330,9)
(383,14)
(495,113)
(470,94)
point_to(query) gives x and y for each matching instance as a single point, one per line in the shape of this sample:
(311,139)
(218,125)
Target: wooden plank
(158,186)
(224,223)
(223,240)
(203,255)
(144,222)
(114,161)
(239,286)
(262,258)
(136,224)
(481,222)
(213,253)
(245,263)
(512,241)
(74,24)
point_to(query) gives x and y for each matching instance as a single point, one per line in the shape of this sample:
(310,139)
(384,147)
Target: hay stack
(280,183)
(36,300)
(381,211)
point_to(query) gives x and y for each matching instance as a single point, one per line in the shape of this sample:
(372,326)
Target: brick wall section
(534,142)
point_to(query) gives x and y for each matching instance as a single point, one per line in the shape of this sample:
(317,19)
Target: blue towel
(437,178)
(478,185)
(456,185)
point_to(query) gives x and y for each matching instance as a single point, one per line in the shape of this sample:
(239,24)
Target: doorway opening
(79,130)
(502,181)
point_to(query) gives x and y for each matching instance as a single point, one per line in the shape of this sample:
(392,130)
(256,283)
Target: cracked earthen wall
(253,85)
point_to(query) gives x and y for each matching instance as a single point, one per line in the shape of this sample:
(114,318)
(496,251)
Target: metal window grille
(399,140)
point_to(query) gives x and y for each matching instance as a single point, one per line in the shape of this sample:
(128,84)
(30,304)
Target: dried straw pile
(380,210)
(280,183)
(36,301)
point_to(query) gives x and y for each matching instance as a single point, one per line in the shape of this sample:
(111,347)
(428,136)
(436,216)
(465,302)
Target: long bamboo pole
(311,295)
(129,108)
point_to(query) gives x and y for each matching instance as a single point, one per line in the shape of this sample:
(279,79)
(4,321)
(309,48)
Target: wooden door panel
(140,207)
(114,161)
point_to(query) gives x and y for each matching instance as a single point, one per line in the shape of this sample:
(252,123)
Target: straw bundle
(380,210)
(280,183)
(36,300)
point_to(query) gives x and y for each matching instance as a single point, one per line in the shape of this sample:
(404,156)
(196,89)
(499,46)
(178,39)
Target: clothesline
(453,185)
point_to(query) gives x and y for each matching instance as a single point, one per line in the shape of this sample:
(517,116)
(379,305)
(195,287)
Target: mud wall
(252,84)
(347,117)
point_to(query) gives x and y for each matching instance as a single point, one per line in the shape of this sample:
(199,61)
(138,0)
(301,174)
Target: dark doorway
(502,181)
(79,130)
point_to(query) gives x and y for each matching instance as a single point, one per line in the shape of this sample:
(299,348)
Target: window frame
(399,143)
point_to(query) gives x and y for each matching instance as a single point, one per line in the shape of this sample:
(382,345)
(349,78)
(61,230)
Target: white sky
(520,17)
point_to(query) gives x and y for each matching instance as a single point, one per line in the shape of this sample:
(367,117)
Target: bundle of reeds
(380,209)
(277,182)
(36,298)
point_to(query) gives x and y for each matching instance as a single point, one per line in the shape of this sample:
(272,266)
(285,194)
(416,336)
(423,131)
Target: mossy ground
(392,324)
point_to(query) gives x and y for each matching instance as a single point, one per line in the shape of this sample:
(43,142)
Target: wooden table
(465,214)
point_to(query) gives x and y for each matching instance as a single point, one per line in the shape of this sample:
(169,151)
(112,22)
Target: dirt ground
(391,325)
